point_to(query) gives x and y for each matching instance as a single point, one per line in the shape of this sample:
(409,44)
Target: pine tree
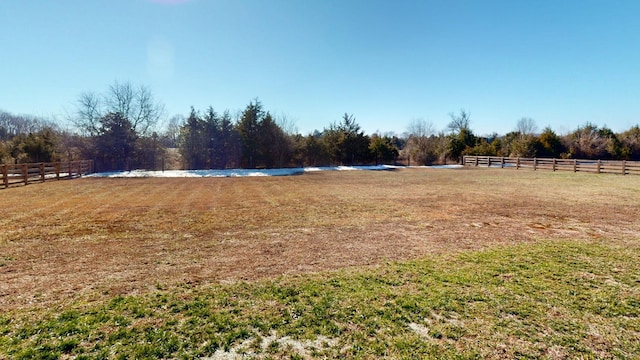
(192,144)
(116,142)
(346,143)
(230,143)
(249,129)
(212,133)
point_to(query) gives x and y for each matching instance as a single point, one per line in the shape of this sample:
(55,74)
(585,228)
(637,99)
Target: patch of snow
(303,348)
(199,173)
(419,329)
(251,172)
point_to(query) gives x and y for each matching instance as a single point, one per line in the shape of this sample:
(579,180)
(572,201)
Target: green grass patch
(544,300)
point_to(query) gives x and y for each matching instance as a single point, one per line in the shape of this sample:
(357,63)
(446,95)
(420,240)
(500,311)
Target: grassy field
(472,263)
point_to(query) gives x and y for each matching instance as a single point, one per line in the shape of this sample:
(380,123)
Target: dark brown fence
(622,167)
(23,174)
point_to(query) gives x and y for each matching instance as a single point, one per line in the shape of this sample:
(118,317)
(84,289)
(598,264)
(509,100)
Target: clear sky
(561,62)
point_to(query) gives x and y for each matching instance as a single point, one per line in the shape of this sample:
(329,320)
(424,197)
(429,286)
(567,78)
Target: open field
(468,263)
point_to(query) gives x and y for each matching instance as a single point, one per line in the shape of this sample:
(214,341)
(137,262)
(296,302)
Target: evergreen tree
(264,143)
(631,143)
(115,143)
(230,143)
(461,137)
(518,144)
(15,149)
(482,148)
(383,149)
(346,143)
(549,144)
(193,142)
(249,129)
(211,142)
(614,148)
(459,142)
(212,124)
(40,147)
(267,141)
(315,152)
(275,145)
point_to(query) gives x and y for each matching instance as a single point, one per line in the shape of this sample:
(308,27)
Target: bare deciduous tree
(172,132)
(421,145)
(136,104)
(526,126)
(120,98)
(287,124)
(420,128)
(12,125)
(88,113)
(459,122)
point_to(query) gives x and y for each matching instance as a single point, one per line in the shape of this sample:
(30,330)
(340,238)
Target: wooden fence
(622,167)
(24,174)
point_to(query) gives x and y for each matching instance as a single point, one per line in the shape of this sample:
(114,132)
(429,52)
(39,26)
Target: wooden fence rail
(622,167)
(24,174)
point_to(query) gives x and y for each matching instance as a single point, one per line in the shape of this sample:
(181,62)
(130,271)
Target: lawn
(469,263)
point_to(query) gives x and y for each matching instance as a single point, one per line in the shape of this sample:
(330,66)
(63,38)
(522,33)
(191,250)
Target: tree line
(119,130)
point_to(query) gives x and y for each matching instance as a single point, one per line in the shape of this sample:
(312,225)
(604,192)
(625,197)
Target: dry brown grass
(100,237)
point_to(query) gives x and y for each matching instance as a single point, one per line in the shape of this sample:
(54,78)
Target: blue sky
(562,63)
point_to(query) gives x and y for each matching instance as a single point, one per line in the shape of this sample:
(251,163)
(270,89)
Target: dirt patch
(100,237)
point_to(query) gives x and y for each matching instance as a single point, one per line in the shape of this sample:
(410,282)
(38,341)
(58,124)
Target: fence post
(598,166)
(624,167)
(488,161)
(575,165)
(554,164)
(502,162)
(517,163)
(476,161)
(535,163)
(25,174)
(5,176)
